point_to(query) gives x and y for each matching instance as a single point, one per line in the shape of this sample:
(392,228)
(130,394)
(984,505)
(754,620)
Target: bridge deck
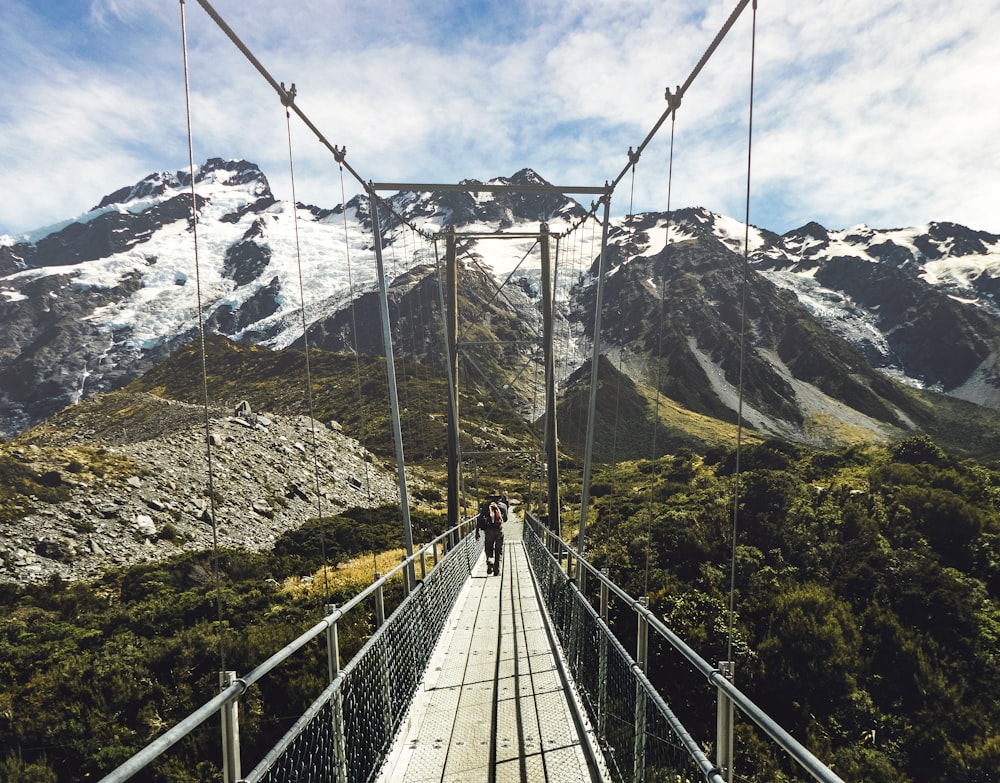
(493,706)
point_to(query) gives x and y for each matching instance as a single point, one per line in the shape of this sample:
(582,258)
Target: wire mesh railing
(345,734)
(639,734)
(349,729)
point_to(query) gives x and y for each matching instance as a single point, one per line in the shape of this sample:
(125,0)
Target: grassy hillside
(347,388)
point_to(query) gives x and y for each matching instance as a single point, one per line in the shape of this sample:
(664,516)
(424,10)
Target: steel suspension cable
(354,331)
(216,575)
(682,89)
(305,350)
(340,153)
(357,354)
(742,349)
(662,303)
(621,347)
(618,383)
(286,96)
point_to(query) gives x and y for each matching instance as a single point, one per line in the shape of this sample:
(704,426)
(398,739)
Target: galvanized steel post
(595,359)
(724,725)
(642,662)
(602,660)
(332,645)
(451,321)
(551,439)
(339,737)
(230,732)
(390,367)
(379,603)
(337,703)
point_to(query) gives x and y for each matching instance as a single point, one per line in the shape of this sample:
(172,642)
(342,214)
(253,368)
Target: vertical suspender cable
(630,243)
(663,281)
(305,349)
(357,347)
(201,338)
(652,456)
(390,368)
(674,102)
(449,329)
(588,450)
(743,320)
(354,327)
(414,418)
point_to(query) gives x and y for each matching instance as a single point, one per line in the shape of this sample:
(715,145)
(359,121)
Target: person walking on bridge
(492,515)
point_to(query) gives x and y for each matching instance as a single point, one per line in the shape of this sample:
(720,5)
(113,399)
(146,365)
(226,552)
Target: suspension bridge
(538,673)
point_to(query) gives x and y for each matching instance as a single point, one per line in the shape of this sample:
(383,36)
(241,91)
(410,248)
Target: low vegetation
(867,598)
(867,582)
(92,672)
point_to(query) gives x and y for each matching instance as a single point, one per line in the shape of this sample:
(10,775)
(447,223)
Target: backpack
(490,516)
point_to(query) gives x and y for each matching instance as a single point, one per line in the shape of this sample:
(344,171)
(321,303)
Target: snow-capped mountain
(835,318)
(920,304)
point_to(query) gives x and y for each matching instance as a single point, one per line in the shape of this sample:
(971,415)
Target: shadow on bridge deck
(493,705)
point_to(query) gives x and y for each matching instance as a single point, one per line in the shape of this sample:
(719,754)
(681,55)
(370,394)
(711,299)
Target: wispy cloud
(877,113)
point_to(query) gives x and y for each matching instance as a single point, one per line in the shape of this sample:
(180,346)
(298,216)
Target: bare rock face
(269,474)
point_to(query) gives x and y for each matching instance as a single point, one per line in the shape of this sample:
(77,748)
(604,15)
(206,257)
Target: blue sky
(865,112)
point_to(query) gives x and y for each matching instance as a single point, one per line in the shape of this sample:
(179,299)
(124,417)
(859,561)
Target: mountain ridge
(836,319)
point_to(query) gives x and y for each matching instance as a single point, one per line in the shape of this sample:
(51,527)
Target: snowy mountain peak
(213,176)
(87,305)
(527,177)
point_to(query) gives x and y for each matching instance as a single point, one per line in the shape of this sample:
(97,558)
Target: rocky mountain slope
(132,475)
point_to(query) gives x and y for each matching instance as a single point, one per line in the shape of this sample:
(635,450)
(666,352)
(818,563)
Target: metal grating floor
(493,706)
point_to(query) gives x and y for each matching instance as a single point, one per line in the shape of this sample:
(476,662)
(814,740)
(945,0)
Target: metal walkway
(494,704)
(493,700)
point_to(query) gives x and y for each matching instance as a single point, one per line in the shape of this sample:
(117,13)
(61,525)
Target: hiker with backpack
(492,515)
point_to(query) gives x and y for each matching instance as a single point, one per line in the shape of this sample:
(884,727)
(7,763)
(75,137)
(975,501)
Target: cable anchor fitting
(633,156)
(339,153)
(287,96)
(674,98)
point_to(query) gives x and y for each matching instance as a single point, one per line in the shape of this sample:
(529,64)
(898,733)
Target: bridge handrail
(799,753)
(693,748)
(240,686)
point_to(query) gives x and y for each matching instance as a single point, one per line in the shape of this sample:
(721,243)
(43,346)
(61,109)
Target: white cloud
(877,113)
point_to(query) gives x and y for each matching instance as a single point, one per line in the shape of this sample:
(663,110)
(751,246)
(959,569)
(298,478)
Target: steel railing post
(602,660)
(641,653)
(333,666)
(407,574)
(382,688)
(724,725)
(339,737)
(332,645)
(230,732)
(379,603)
